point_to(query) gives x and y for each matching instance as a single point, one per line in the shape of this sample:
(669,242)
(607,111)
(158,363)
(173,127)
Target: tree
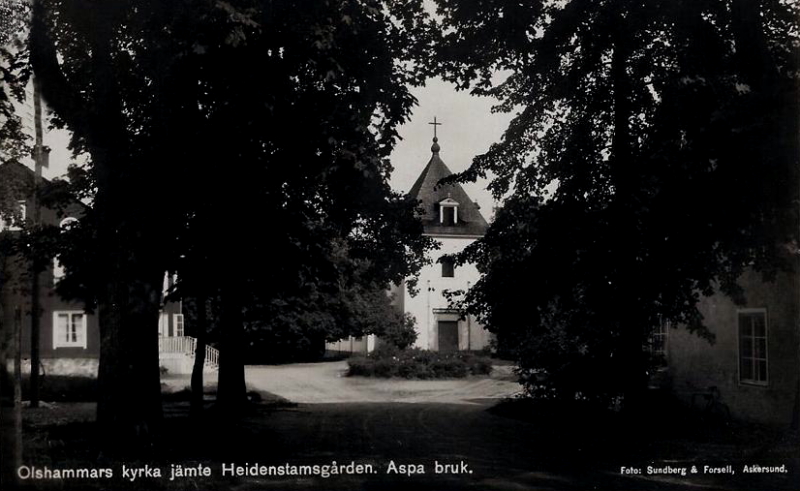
(208,123)
(350,299)
(310,160)
(640,127)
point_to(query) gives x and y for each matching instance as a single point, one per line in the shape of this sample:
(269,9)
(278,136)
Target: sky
(467,129)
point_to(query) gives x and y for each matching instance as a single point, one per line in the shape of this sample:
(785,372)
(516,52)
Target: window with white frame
(177,321)
(658,339)
(163,325)
(753,359)
(69,329)
(448,211)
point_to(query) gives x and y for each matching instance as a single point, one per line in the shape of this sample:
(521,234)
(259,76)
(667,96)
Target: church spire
(435,147)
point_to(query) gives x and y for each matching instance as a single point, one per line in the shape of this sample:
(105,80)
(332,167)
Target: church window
(448,267)
(448,211)
(449,215)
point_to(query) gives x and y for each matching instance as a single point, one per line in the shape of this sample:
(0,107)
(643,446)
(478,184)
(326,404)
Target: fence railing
(187,345)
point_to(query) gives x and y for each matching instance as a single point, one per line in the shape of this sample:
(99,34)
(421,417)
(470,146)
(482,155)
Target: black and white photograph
(486,245)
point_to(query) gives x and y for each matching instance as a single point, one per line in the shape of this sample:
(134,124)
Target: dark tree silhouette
(233,142)
(652,159)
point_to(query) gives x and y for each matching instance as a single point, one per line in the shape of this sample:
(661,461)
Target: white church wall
(430,306)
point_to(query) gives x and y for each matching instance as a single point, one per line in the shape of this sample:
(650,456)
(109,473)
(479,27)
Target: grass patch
(414,363)
(63,388)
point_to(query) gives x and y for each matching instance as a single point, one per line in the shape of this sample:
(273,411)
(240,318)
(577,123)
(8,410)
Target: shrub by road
(414,363)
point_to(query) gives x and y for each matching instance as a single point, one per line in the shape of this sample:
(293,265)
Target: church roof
(430,194)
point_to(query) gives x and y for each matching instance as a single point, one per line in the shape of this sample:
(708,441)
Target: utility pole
(39,157)
(17,450)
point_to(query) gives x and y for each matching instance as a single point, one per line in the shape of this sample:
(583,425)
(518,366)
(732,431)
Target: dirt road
(314,383)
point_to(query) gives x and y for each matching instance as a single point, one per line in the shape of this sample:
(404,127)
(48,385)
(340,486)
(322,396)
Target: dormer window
(448,211)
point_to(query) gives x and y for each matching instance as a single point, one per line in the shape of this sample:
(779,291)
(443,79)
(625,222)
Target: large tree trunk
(199,357)
(632,368)
(129,402)
(231,391)
(127,271)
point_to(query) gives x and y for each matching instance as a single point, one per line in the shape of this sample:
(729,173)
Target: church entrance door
(448,336)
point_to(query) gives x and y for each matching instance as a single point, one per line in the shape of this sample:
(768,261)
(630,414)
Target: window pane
(746,369)
(759,328)
(753,346)
(78,323)
(760,351)
(448,268)
(762,371)
(746,348)
(745,325)
(449,215)
(62,328)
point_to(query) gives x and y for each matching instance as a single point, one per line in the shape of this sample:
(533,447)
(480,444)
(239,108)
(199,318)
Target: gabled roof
(428,191)
(17,183)
(18,174)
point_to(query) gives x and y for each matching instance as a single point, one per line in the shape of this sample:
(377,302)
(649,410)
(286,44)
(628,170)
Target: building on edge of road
(69,339)
(454,220)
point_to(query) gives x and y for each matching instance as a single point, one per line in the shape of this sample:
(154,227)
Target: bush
(399,330)
(390,361)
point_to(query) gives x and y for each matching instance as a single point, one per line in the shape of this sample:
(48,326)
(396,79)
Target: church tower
(451,218)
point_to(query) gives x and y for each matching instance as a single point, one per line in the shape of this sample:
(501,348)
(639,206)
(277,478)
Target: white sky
(467,129)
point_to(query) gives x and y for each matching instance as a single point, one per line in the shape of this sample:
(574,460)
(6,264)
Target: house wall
(14,294)
(695,365)
(430,305)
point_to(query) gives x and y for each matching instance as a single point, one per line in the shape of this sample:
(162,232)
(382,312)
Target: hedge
(415,363)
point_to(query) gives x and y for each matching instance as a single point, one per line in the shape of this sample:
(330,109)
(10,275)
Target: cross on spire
(435,124)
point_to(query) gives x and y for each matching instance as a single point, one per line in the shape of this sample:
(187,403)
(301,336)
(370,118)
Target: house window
(658,339)
(753,346)
(448,267)
(15,221)
(69,329)
(177,320)
(163,325)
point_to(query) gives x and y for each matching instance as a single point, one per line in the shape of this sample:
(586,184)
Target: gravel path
(314,383)
(318,383)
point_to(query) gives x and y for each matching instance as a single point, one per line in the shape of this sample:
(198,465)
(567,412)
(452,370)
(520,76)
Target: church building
(451,218)
(454,220)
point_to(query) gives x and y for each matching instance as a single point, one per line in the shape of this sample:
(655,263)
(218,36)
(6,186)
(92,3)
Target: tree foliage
(652,159)
(234,142)
(13,77)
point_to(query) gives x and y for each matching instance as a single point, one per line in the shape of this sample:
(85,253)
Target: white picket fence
(172,349)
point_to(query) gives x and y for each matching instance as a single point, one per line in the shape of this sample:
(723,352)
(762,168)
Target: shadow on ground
(510,446)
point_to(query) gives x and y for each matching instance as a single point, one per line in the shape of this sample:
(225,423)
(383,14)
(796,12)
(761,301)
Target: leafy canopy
(648,163)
